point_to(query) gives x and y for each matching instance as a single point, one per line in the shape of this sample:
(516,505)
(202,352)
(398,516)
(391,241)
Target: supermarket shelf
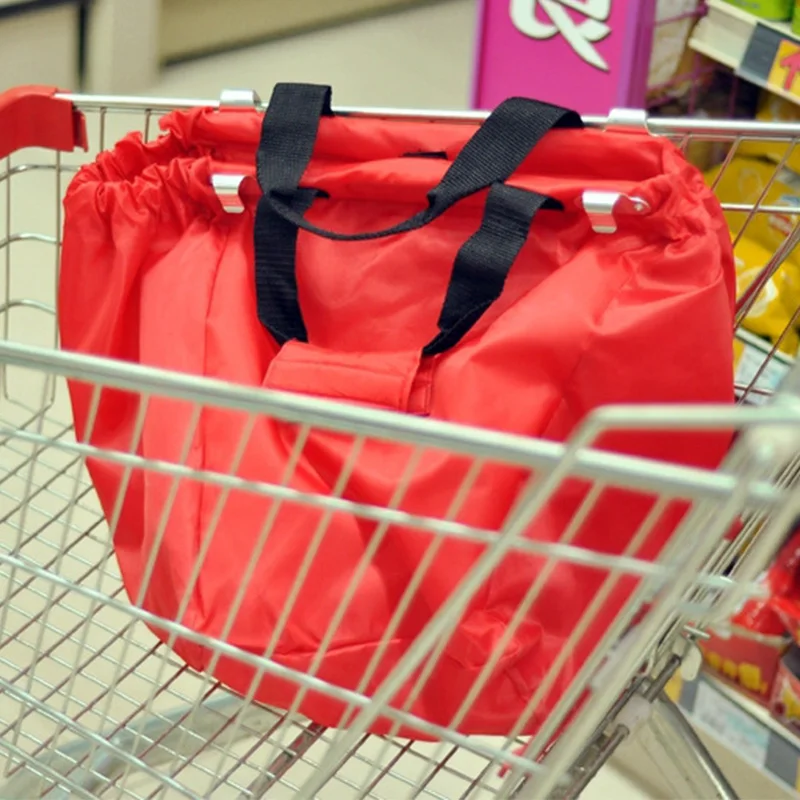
(747,45)
(743,727)
(723,33)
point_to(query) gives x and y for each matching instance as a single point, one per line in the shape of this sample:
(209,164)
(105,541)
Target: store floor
(413,59)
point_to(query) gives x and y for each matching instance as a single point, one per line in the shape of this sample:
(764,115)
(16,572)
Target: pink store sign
(589,55)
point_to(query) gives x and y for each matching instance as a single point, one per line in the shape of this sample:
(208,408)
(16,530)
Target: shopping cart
(91,705)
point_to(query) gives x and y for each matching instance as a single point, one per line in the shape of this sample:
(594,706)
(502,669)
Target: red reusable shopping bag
(431,268)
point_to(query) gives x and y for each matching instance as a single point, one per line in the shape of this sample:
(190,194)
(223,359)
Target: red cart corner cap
(32,116)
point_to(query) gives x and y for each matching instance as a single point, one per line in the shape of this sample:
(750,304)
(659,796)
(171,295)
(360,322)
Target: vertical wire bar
(708,524)
(587,616)
(416,580)
(575,525)
(577,686)
(23,513)
(204,694)
(108,547)
(760,201)
(60,687)
(688,561)
(701,513)
(511,628)
(150,564)
(771,355)
(431,552)
(65,529)
(372,783)
(166,512)
(148,115)
(295,751)
(533,499)
(102,131)
(56,268)
(261,541)
(364,562)
(750,295)
(314,545)
(764,546)
(49,744)
(206,542)
(260,544)
(7,273)
(726,162)
(220,779)
(438,767)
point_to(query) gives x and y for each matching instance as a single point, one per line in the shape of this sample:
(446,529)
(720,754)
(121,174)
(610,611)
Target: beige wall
(188,27)
(128,40)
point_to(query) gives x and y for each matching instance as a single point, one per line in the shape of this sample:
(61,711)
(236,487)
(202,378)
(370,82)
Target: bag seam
(202,426)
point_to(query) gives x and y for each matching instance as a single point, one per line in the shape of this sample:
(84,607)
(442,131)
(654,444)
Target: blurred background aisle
(414,58)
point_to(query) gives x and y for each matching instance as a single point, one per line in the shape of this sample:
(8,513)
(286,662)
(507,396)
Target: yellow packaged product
(772,108)
(775,305)
(745,180)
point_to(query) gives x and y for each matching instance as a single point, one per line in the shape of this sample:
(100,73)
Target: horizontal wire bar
(269,667)
(628,471)
(67,723)
(656,125)
(568,553)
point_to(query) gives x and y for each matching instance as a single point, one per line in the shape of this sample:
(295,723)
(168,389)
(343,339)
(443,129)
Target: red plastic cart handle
(32,116)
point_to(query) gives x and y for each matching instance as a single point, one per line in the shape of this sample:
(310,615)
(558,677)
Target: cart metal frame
(93,706)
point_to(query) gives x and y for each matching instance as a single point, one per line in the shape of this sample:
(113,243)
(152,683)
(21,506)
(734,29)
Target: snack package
(772,108)
(775,305)
(782,581)
(745,180)
(785,700)
(783,575)
(750,653)
(748,659)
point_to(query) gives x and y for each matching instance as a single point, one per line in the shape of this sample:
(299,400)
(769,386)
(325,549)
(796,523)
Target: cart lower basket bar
(92,705)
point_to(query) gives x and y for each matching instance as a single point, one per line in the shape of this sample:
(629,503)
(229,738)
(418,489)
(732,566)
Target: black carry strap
(484,261)
(292,133)
(489,158)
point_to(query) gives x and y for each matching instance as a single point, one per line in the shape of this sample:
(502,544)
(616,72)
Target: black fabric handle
(484,261)
(479,272)
(493,154)
(291,133)
(490,157)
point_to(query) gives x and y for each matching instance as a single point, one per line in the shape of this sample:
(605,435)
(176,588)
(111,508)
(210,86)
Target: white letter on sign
(581,36)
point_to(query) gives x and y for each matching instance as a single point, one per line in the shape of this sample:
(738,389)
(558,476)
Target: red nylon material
(154,271)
